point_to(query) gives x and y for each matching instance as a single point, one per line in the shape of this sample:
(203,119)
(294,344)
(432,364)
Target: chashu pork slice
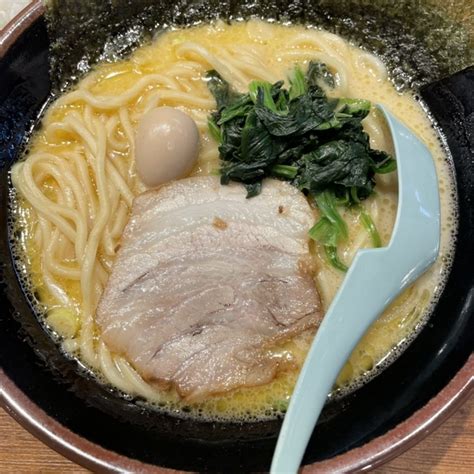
(206,282)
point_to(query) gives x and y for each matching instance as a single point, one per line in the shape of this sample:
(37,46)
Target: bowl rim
(93,456)
(374,453)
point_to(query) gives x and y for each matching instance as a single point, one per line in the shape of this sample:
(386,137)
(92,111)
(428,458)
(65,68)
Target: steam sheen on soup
(76,185)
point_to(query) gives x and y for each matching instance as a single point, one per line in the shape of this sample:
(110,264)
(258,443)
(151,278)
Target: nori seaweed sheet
(420,40)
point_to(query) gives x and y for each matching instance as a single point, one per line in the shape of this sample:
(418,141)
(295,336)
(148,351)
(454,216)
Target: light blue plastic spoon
(374,279)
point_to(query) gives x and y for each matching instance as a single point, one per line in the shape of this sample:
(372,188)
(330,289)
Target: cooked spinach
(330,229)
(301,136)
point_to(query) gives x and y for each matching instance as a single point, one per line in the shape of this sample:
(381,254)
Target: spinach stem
(369,225)
(284,171)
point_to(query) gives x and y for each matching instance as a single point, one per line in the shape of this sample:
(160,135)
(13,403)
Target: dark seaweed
(419,40)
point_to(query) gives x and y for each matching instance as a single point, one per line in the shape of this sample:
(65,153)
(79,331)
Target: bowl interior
(32,361)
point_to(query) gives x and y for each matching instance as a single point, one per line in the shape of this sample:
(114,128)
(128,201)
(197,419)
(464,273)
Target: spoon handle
(353,310)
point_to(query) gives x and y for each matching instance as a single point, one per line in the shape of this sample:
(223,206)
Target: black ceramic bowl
(47,393)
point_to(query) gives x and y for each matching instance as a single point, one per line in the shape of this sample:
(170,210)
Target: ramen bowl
(49,395)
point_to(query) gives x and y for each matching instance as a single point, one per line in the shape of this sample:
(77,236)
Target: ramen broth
(103,110)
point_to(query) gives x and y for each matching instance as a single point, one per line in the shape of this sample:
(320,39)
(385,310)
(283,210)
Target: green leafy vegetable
(327,205)
(331,253)
(301,136)
(298,84)
(220,89)
(284,171)
(331,229)
(369,226)
(214,130)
